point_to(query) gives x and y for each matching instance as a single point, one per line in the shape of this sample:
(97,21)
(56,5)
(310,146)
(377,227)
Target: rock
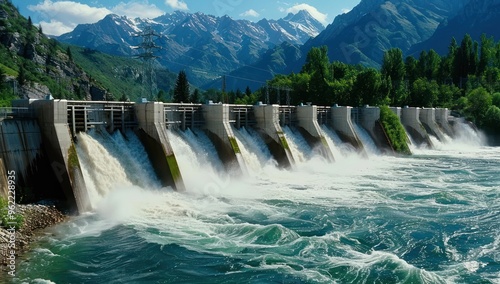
(36,218)
(34,91)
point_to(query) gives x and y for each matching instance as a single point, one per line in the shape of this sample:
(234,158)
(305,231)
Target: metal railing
(16,112)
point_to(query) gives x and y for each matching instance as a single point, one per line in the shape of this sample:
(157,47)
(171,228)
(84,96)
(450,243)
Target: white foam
(298,145)
(110,163)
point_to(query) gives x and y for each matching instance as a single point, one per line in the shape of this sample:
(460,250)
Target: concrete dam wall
(22,152)
(42,143)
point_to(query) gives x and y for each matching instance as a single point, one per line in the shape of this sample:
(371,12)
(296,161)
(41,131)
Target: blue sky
(57,17)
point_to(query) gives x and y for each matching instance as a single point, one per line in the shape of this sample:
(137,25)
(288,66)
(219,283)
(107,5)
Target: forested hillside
(34,66)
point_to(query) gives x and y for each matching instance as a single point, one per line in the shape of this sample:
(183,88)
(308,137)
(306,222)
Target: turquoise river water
(433,217)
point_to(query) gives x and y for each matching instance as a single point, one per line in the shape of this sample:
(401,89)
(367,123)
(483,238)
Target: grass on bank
(5,218)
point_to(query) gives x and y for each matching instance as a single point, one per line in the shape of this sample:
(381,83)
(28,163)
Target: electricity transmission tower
(148,48)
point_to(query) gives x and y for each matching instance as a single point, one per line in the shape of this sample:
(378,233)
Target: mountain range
(374,26)
(249,53)
(204,46)
(476,18)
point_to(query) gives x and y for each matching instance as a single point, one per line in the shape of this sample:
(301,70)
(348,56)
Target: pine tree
(181,90)
(195,97)
(2,79)
(68,52)
(248,92)
(21,77)
(465,62)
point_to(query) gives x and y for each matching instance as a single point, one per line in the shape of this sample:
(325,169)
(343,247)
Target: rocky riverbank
(36,218)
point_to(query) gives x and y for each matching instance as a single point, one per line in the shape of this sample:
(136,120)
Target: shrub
(5,219)
(394,130)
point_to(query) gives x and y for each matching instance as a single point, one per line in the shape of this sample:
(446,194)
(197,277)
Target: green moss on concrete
(73,162)
(174,168)
(234,145)
(73,157)
(284,143)
(324,142)
(394,130)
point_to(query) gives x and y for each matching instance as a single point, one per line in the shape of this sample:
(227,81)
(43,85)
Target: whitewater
(366,218)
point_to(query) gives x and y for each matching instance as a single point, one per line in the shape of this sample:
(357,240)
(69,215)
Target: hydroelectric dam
(40,137)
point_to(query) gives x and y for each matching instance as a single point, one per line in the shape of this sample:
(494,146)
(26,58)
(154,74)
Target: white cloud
(58,17)
(66,15)
(322,18)
(177,4)
(55,28)
(136,9)
(250,13)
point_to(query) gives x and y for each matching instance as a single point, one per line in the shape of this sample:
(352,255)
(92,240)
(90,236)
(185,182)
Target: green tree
(393,67)
(213,95)
(248,92)
(453,48)
(341,91)
(478,102)
(196,97)
(422,64)
(367,88)
(238,93)
(447,94)
(231,97)
(2,79)
(124,98)
(316,65)
(496,55)
(432,63)
(486,55)
(300,88)
(21,76)
(68,52)
(424,93)
(411,67)
(465,62)
(160,96)
(491,78)
(492,118)
(277,86)
(181,90)
(445,73)
(495,100)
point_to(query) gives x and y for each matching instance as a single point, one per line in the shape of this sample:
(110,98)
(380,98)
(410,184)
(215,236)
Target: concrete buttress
(153,134)
(308,125)
(267,117)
